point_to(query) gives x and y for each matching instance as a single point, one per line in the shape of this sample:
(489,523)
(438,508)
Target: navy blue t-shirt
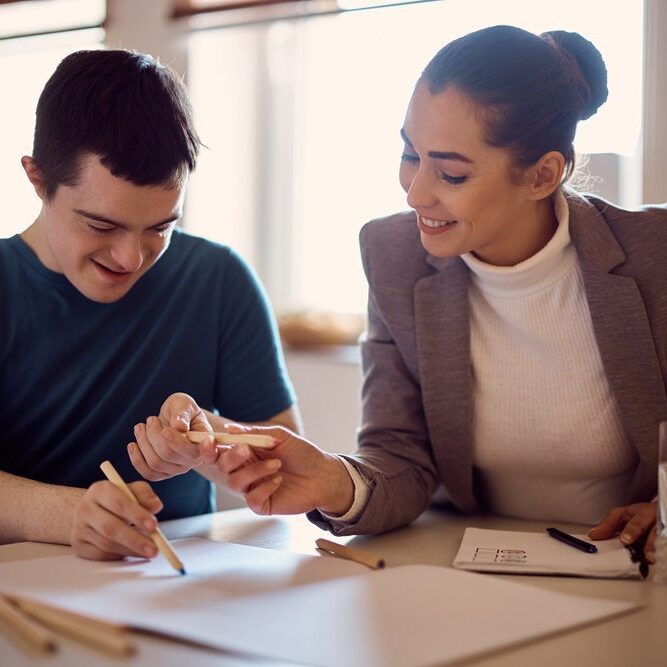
(76,375)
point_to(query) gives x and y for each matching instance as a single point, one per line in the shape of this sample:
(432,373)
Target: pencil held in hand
(259,441)
(158,538)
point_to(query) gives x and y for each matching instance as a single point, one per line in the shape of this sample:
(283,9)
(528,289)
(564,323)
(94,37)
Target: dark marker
(637,555)
(572,540)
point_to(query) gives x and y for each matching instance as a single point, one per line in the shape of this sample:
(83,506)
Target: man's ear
(34,175)
(547,173)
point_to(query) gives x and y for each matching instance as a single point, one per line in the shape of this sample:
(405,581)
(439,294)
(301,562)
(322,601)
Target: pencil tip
(182,570)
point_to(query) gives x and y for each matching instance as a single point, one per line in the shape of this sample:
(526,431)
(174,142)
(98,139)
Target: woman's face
(466,197)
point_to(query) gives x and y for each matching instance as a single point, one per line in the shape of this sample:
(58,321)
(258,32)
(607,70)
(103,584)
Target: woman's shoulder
(618,216)
(607,235)
(391,245)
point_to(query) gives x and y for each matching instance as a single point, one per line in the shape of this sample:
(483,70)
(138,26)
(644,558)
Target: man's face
(104,233)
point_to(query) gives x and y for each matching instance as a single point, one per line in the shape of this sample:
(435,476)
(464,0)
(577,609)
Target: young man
(106,308)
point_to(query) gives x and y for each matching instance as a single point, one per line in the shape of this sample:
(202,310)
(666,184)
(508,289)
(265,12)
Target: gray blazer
(417,395)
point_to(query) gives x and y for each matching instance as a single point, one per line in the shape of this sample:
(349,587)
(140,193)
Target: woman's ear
(546,176)
(34,175)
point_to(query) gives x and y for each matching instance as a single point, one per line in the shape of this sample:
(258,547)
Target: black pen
(637,555)
(572,540)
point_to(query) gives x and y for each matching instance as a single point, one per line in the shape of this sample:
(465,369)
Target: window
(302,120)
(301,115)
(26,62)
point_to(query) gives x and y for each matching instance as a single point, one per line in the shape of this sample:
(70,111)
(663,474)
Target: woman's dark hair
(123,106)
(532,89)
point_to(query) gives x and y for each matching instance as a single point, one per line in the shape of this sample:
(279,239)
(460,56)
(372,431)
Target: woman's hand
(293,477)
(162,450)
(632,522)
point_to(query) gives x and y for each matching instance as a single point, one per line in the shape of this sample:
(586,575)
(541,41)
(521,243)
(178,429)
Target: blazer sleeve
(394,454)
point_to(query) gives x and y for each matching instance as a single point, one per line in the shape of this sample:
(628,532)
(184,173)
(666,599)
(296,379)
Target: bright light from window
(348,79)
(25,66)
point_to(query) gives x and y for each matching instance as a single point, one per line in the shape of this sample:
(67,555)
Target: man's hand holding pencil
(181,439)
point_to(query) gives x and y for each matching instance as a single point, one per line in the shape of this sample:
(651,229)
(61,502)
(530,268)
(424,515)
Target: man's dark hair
(124,107)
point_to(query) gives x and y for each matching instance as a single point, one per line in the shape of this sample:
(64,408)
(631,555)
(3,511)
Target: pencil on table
(24,629)
(107,637)
(158,538)
(351,553)
(251,439)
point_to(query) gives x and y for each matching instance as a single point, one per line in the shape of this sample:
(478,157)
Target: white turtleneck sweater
(547,440)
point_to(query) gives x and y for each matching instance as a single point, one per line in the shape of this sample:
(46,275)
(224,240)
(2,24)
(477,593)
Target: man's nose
(128,252)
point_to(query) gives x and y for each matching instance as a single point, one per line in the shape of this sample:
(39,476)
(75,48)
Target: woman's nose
(420,193)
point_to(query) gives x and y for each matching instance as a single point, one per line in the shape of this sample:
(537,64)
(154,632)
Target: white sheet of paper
(298,608)
(538,553)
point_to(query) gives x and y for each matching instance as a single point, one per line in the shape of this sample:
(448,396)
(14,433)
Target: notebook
(537,553)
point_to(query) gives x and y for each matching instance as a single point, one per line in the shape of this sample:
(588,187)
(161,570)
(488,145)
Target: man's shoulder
(186,242)
(197,254)
(196,260)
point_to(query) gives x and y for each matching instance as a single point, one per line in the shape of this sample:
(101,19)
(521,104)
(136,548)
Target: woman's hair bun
(590,63)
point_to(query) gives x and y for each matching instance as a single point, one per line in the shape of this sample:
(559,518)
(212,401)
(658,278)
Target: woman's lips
(432,226)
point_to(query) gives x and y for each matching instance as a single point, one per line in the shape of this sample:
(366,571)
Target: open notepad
(537,553)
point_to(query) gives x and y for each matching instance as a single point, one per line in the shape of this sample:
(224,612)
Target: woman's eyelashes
(452,180)
(410,158)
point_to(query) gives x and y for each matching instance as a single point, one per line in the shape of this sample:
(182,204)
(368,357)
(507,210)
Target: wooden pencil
(24,629)
(158,538)
(351,553)
(107,637)
(251,439)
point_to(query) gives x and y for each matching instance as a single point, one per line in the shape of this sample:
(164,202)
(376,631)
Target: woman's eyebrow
(439,155)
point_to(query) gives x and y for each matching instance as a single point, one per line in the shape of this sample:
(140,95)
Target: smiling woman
(306,151)
(510,355)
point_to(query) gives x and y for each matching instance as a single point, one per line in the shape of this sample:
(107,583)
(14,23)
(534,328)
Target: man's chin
(104,293)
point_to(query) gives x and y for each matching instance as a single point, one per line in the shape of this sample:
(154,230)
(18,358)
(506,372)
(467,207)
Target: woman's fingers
(631,521)
(638,524)
(247,477)
(258,498)
(611,524)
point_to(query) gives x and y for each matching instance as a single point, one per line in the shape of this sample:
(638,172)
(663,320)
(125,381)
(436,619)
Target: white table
(635,640)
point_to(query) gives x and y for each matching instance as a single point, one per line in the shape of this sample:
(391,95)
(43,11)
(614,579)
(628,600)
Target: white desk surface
(636,640)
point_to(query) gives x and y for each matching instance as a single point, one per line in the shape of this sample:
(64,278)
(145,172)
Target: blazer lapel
(623,335)
(443,347)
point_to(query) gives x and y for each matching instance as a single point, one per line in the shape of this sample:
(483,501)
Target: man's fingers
(107,548)
(234,458)
(140,465)
(85,549)
(112,534)
(155,461)
(209,451)
(171,447)
(112,501)
(146,497)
